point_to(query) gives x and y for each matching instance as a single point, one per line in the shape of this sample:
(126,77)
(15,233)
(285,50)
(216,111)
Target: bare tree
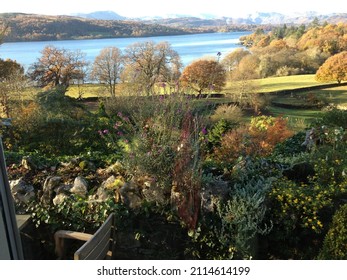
(151,63)
(107,68)
(57,67)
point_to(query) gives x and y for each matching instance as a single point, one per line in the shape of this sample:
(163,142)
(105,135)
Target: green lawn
(274,84)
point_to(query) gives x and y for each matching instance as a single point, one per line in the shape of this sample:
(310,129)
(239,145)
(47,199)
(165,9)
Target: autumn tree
(232,60)
(12,81)
(203,75)
(333,69)
(148,63)
(107,68)
(58,67)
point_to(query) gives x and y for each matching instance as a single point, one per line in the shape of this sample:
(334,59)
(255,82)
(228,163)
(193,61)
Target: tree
(12,81)
(58,67)
(107,68)
(333,69)
(203,74)
(148,63)
(232,60)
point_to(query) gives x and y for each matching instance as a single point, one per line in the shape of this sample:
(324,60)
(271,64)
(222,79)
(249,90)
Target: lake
(189,47)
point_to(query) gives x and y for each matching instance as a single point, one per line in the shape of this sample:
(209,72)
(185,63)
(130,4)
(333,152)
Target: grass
(274,84)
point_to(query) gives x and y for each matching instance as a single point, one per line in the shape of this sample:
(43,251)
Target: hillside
(30,27)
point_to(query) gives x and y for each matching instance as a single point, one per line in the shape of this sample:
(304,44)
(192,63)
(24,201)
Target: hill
(31,27)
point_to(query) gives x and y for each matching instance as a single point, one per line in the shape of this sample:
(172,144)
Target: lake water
(189,47)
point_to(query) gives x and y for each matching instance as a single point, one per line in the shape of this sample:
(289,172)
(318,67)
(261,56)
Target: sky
(150,8)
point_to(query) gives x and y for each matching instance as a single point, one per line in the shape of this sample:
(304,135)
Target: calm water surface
(189,47)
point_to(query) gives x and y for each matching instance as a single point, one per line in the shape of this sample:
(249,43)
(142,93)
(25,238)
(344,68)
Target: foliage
(294,50)
(333,69)
(243,218)
(58,67)
(203,75)
(257,139)
(335,242)
(232,60)
(75,213)
(12,82)
(216,133)
(302,207)
(332,118)
(233,229)
(330,38)
(231,114)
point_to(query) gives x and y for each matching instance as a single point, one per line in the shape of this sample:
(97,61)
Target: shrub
(231,114)
(333,118)
(258,139)
(335,242)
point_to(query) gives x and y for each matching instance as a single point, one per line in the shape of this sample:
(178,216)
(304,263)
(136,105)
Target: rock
(80,186)
(102,194)
(154,194)
(22,192)
(130,195)
(28,163)
(213,193)
(51,183)
(63,189)
(59,199)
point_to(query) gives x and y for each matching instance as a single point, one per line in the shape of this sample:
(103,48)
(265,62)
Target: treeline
(28,27)
(286,50)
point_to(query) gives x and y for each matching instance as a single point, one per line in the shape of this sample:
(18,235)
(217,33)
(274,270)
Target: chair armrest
(60,235)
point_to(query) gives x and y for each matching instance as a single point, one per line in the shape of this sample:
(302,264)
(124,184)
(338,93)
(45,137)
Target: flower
(204,131)
(105,131)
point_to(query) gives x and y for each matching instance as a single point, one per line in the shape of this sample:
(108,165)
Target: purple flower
(204,131)
(105,131)
(119,133)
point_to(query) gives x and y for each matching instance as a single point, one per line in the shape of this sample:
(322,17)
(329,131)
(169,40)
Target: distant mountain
(259,18)
(101,15)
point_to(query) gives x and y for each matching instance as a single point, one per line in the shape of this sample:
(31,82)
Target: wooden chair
(98,246)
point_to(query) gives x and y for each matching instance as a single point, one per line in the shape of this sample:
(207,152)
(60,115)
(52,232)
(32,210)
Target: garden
(187,178)
(236,158)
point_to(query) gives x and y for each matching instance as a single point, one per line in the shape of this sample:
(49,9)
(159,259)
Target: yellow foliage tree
(333,69)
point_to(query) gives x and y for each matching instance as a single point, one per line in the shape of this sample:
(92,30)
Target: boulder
(22,192)
(51,183)
(59,198)
(80,186)
(28,163)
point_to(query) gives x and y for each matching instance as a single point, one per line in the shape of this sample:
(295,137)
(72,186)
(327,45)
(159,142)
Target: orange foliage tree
(203,74)
(333,69)
(257,139)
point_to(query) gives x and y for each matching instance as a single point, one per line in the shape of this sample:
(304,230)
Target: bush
(256,140)
(231,114)
(333,118)
(335,242)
